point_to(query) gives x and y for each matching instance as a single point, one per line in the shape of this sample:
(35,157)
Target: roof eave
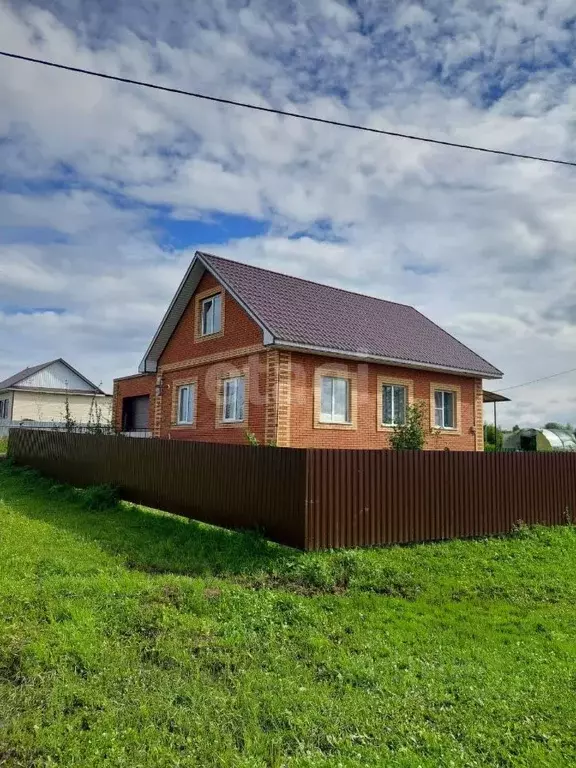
(59,391)
(147,365)
(366,357)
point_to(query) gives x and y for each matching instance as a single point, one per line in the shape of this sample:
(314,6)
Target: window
(186,398)
(233,399)
(335,400)
(2,407)
(394,398)
(211,315)
(444,409)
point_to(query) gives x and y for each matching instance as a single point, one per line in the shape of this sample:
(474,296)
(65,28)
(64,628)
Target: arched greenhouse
(540,440)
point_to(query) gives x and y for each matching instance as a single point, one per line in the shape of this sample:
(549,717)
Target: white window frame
(443,410)
(230,389)
(188,414)
(210,319)
(331,417)
(394,387)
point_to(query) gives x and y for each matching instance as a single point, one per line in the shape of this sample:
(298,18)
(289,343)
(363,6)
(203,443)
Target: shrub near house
(299,364)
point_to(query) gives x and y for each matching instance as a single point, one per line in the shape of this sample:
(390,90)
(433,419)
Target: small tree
(493,437)
(410,435)
(97,424)
(69,422)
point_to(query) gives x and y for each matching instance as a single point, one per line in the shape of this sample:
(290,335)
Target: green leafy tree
(556,425)
(410,436)
(493,437)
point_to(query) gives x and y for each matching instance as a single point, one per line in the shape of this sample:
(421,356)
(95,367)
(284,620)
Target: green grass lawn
(3,445)
(133,638)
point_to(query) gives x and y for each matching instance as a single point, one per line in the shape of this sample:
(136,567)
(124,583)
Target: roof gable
(299,313)
(53,375)
(177,308)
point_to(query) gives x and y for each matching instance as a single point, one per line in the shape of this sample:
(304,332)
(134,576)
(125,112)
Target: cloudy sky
(106,190)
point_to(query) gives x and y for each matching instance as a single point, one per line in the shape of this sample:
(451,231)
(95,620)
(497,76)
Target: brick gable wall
(239,330)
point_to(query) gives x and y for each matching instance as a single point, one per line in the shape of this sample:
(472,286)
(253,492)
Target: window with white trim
(394,401)
(211,315)
(444,409)
(334,400)
(233,393)
(186,400)
(2,407)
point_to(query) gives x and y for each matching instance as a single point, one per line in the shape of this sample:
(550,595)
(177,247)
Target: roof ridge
(306,280)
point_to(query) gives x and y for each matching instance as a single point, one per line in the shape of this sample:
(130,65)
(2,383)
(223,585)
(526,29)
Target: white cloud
(483,245)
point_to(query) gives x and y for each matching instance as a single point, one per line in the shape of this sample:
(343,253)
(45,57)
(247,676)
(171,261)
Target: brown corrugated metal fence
(317,499)
(363,498)
(228,485)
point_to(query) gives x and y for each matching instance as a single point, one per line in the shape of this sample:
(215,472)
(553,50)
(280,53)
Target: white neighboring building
(39,394)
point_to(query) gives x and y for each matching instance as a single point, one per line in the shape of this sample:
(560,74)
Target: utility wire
(284,113)
(536,381)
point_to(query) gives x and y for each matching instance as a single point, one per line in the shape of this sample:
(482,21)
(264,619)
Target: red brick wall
(207,427)
(135,386)
(239,330)
(305,435)
(189,358)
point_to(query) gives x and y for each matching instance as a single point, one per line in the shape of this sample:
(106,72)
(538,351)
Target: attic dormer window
(211,315)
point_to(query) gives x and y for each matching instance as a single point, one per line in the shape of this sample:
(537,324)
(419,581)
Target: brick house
(243,349)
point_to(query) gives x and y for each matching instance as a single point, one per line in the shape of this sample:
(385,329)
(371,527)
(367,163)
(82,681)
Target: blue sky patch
(11,309)
(218,228)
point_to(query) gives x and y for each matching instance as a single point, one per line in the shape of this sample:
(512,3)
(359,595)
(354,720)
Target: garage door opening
(135,416)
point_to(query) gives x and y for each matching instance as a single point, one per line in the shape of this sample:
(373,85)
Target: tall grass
(131,637)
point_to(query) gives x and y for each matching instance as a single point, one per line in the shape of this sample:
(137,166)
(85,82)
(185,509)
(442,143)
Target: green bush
(410,436)
(99,498)
(493,437)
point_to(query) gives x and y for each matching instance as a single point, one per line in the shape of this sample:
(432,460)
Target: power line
(536,381)
(284,113)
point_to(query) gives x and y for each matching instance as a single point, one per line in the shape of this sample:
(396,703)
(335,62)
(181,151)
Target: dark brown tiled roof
(302,312)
